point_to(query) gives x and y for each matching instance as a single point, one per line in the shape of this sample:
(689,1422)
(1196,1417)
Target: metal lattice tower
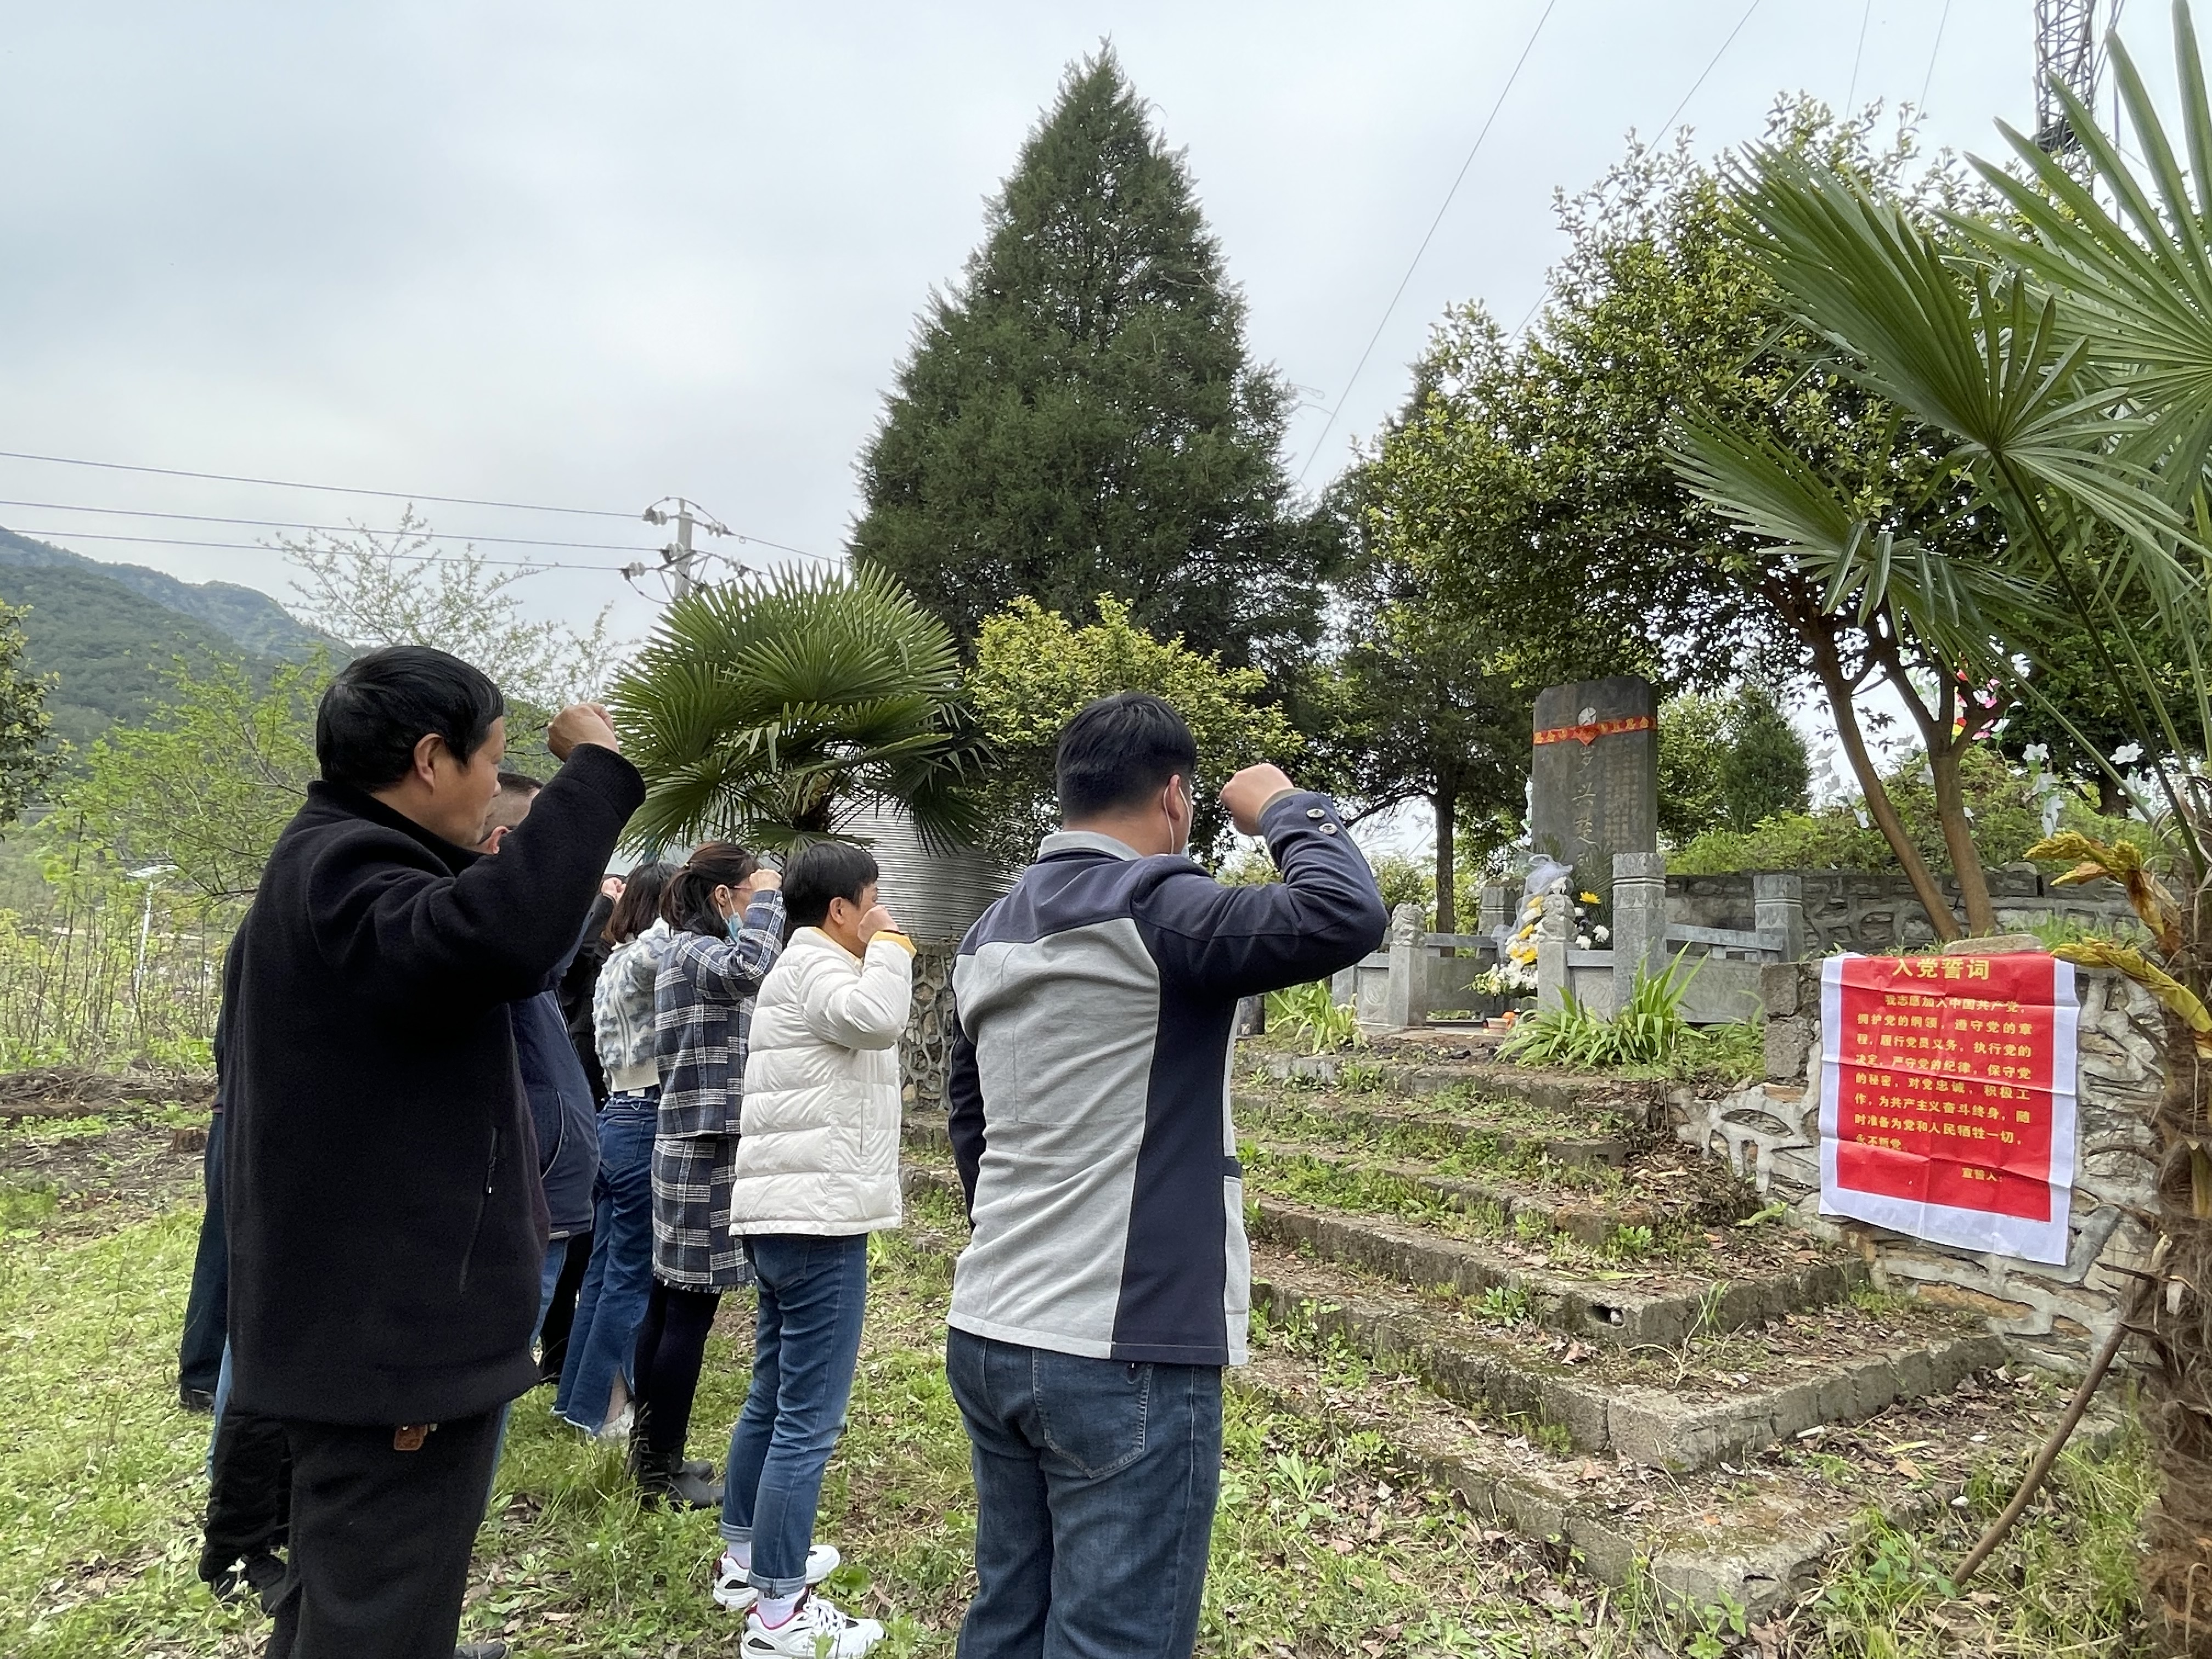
(2065,52)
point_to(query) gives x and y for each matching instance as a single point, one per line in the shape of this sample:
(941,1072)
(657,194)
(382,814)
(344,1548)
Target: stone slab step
(1554,1091)
(1678,1188)
(1515,1376)
(1463,1132)
(1758,1534)
(1647,1309)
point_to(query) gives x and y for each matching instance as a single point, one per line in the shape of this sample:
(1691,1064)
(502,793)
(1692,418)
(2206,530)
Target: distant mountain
(248,616)
(112,632)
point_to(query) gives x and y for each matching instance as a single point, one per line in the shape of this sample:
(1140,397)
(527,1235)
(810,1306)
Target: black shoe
(481,1650)
(665,1478)
(197,1400)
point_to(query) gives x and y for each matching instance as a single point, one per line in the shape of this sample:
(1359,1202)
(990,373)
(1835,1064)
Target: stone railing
(1417,973)
(1720,965)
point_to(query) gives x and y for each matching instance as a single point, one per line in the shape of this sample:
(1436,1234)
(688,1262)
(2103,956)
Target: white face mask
(1181,831)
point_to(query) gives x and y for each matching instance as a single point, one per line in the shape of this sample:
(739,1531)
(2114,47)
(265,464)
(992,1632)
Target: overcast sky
(593,255)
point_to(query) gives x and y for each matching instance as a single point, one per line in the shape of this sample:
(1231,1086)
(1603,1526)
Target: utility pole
(678,557)
(2066,55)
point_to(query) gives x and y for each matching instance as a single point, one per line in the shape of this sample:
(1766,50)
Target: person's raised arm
(869,1011)
(419,939)
(1325,914)
(733,971)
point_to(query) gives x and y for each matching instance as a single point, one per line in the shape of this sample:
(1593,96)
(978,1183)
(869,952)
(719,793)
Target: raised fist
(579,724)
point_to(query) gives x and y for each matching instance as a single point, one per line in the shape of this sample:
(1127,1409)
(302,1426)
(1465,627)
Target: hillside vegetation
(111,632)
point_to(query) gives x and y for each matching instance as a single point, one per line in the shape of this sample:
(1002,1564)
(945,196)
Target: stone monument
(1594,781)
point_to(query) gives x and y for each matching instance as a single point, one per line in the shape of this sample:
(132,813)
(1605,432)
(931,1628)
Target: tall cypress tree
(1077,414)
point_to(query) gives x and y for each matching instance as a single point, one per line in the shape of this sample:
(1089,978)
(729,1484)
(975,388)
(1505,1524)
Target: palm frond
(765,708)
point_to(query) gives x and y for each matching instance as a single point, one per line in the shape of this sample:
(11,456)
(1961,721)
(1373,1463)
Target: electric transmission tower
(2066,54)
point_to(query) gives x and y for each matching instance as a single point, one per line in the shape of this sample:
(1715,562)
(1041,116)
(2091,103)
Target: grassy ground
(1320,1547)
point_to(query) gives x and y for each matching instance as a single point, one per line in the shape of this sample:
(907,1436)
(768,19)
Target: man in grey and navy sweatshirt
(1108,1278)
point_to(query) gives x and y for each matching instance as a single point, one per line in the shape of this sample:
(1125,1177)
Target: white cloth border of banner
(2044,1242)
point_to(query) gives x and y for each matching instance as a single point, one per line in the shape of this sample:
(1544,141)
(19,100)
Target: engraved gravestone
(1594,778)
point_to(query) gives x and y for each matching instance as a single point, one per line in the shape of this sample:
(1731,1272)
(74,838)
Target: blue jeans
(199,1355)
(1094,1487)
(806,1338)
(620,1275)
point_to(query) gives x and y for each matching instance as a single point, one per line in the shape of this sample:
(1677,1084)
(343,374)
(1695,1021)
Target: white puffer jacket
(818,1132)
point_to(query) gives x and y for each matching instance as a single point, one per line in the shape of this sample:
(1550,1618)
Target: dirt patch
(61,1091)
(95,1174)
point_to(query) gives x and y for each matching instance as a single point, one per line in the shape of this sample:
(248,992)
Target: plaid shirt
(702,1016)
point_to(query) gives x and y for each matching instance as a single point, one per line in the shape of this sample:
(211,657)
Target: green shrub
(1311,1012)
(1648,1031)
(2007,816)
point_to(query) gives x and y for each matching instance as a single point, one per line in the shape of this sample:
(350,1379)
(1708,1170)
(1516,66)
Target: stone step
(1644,1307)
(1677,1411)
(1563,1092)
(1458,1139)
(1662,1191)
(1758,1533)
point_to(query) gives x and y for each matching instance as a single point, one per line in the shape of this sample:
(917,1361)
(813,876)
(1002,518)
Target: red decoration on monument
(1947,1097)
(1590,730)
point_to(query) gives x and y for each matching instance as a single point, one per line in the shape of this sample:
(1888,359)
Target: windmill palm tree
(2065,352)
(775,708)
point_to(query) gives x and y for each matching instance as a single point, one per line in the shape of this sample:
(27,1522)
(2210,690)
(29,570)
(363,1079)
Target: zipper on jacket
(483,1203)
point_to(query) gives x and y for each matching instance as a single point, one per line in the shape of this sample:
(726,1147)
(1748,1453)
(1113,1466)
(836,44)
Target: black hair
(819,872)
(519,783)
(1119,750)
(383,702)
(688,902)
(639,902)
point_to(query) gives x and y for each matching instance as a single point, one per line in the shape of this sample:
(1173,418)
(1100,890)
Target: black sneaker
(481,1650)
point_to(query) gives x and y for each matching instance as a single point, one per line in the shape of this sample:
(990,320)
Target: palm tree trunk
(1829,668)
(2178,1383)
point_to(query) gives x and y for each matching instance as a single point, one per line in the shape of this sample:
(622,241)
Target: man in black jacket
(387,1228)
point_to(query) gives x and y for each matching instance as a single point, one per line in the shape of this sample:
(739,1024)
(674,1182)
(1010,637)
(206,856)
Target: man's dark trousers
(380,1540)
(199,1356)
(1095,1484)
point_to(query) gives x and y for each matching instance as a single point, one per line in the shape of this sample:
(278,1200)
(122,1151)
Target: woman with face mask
(728,917)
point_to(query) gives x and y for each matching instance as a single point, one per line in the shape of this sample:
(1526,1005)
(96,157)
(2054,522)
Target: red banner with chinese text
(1947,1097)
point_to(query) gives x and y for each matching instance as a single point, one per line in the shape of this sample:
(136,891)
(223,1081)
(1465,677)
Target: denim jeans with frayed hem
(620,1275)
(806,1337)
(1095,1485)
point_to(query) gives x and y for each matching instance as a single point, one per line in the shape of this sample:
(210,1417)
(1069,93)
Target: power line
(319,528)
(1704,74)
(334,489)
(385,494)
(263,547)
(1928,79)
(1345,396)
(1866,16)
(1683,103)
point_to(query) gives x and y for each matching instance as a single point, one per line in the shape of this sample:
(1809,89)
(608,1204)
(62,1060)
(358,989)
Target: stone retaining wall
(1854,910)
(2053,1315)
(927,1048)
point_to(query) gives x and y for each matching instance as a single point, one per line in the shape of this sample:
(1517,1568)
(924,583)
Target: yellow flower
(1587,898)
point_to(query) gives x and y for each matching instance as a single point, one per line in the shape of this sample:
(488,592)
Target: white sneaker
(816,1630)
(731,1590)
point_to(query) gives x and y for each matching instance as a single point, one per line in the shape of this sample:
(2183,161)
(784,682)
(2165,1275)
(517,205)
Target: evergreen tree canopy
(1078,416)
